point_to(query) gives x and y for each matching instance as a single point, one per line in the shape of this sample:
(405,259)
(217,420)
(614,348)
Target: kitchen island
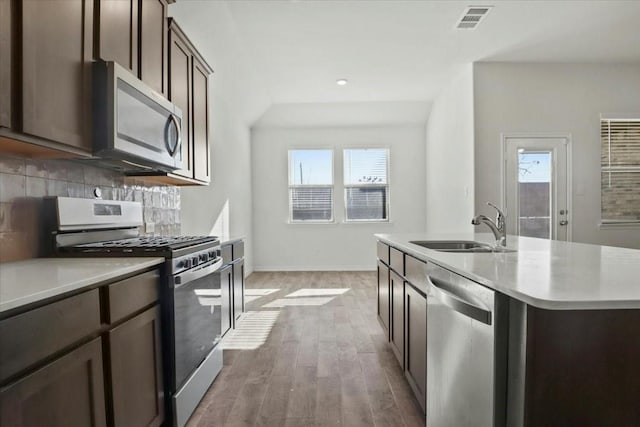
(564,328)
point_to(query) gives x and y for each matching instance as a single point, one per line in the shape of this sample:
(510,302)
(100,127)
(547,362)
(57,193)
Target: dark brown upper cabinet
(180,59)
(189,90)
(201,150)
(133,33)
(153,44)
(118,32)
(56,53)
(5,63)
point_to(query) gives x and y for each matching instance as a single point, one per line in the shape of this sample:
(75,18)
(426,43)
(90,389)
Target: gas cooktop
(160,242)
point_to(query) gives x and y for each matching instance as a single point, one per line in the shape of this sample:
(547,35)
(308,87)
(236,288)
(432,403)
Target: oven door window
(197,316)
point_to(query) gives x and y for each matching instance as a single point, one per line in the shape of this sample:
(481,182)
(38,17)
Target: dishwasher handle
(458,303)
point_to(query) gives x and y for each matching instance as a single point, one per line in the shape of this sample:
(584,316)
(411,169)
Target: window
(311,185)
(620,171)
(366,184)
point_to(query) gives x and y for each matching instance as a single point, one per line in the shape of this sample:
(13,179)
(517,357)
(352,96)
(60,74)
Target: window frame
(290,186)
(373,185)
(607,223)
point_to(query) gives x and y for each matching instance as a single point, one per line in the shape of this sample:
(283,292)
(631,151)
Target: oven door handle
(190,276)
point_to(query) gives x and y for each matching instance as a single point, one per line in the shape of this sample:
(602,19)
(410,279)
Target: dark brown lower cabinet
(581,368)
(232,275)
(135,356)
(396,335)
(415,323)
(383,297)
(68,392)
(238,289)
(92,359)
(226,291)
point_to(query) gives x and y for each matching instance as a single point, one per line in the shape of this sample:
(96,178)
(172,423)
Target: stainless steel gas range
(191,295)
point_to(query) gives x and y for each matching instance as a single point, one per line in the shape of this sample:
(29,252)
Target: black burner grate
(159,242)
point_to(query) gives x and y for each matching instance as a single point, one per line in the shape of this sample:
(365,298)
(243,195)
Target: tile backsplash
(25,182)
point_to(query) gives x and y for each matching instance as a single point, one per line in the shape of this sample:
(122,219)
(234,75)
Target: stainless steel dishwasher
(466,352)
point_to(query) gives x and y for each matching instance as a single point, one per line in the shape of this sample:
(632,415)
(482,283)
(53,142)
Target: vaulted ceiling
(395,52)
(406,50)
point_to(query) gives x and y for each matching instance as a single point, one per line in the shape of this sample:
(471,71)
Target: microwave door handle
(178,145)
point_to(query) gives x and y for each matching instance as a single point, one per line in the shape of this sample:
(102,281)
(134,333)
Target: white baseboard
(258,268)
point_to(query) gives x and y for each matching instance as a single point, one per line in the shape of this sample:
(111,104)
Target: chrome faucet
(499,228)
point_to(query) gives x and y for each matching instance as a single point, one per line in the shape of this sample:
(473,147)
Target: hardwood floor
(309,352)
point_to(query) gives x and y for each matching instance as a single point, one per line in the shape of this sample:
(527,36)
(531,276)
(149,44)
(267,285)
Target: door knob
(564,222)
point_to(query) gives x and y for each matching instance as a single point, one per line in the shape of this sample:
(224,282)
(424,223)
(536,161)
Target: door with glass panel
(535,187)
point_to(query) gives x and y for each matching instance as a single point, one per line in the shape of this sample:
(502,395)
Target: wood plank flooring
(309,352)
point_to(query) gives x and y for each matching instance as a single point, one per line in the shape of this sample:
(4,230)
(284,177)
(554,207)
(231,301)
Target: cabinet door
(397,316)
(201,169)
(238,289)
(383,297)
(180,95)
(118,33)
(68,392)
(57,44)
(416,342)
(5,63)
(153,51)
(136,371)
(226,289)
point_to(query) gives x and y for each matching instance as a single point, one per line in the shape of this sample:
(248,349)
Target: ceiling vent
(472,16)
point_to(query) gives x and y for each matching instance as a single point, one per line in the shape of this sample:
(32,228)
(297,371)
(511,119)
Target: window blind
(366,184)
(620,170)
(310,185)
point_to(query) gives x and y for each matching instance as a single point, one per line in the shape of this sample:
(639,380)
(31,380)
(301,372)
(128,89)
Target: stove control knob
(204,257)
(194,261)
(212,254)
(185,263)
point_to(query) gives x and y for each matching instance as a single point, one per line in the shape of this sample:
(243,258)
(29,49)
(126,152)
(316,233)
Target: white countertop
(230,240)
(543,273)
(34,280)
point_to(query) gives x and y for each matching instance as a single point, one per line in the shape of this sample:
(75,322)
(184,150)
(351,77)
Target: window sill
(616,226)
(382,221)
(337,222)
(311,222)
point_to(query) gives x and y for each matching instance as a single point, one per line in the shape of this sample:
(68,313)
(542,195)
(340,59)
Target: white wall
(449,156)
(339,246)
(554,98)
(237,100)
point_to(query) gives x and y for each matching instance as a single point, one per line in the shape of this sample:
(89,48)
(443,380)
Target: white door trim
(539,135)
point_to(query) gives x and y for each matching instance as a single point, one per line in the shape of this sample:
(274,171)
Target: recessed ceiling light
(342,82)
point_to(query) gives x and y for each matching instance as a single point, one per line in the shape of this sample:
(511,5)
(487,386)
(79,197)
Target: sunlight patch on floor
(254,294)
(309,292)
(251,331)
(292,302)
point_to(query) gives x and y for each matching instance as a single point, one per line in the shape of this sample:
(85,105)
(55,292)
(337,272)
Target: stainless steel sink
(459,246)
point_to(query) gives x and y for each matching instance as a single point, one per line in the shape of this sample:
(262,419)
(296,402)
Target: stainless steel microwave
(133,124)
